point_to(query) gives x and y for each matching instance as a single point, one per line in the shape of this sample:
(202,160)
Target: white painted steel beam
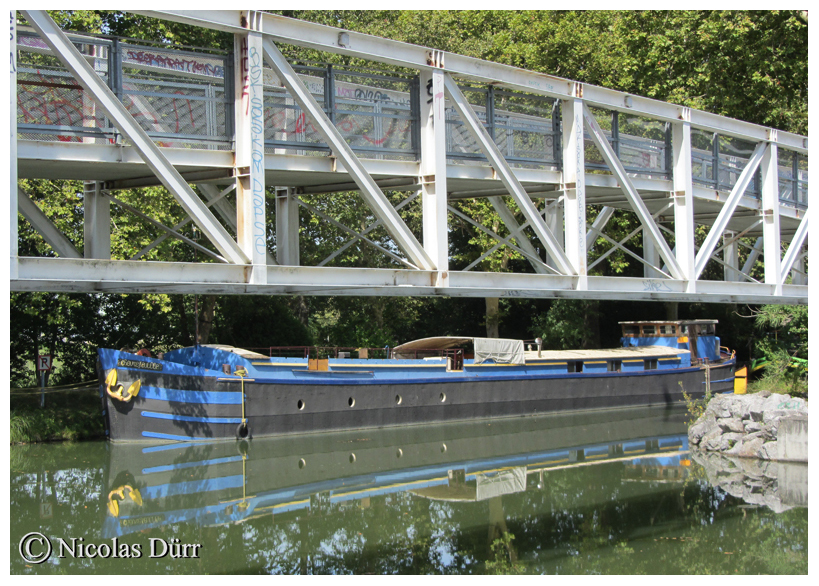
(251,194)
(170,231)
(96,222)
(771,225)
(433,178)
(651,229)
(287,226)
(50,274)
(795,246)
(516,232)
(507,176)
(533,259)
(214,198)
(149,152)
(730,254)
(44,226)
(341,226)
(573,184)
(720,224)
(327,38)
(683,198)
(370,191)
(364,232)
(753,256)
(598,226)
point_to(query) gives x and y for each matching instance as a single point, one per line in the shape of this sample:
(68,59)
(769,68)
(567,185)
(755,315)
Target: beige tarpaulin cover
(499,350)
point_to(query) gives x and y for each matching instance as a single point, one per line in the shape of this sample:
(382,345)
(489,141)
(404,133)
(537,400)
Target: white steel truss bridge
(253,128)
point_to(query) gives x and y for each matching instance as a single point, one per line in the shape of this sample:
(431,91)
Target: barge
(212,392)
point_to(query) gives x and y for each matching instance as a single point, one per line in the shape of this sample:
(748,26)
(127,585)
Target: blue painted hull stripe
(169,436)
(175,417)
(471,378)
(212,462)
(200,397)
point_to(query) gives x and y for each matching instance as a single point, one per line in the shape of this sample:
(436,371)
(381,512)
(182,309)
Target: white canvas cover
(500,350)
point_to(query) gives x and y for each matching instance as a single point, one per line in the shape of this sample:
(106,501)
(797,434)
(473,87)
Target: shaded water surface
(613,492)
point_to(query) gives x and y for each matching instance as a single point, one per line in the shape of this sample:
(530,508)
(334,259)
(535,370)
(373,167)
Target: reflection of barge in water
(221,483)
(210,392)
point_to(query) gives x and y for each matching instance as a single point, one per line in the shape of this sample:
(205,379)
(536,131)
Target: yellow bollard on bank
(741,381)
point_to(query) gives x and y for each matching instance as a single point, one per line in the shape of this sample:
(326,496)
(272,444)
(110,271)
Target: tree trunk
(206,312)
(492,318)
(591,323)
(672,310)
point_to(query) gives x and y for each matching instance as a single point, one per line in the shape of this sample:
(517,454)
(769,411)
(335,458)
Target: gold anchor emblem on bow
(116,390)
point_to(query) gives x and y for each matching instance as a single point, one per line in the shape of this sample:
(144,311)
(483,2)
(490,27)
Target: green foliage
(567,324)
(695,407)
(68,416)
(784,334)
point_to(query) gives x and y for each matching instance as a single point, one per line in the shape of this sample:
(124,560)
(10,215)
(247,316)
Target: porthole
(351,402)
(300,405)
(443,397)
(399,453)
(443,448)
(398,399)
(352,458)
(302,463)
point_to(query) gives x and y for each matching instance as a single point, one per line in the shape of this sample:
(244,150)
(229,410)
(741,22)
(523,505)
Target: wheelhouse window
(631,330)
(649,330)
(615,365)
(574,366)
(650,364)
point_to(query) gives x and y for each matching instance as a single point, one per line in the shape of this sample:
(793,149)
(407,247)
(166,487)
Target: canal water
(612,492)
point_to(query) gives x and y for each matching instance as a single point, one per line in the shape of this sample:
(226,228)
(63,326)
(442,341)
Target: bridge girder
(561,265)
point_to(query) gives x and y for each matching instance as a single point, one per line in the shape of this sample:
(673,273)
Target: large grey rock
(767,451)
(746,448)
(731,424)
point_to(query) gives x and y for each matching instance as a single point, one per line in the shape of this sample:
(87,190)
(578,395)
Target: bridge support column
(798,277)
(553,216)
(574,185)
(97,222)
(730,256)
(287,226)
(652,257)
(433,172)
(251,212)
(683,197)
(772,249)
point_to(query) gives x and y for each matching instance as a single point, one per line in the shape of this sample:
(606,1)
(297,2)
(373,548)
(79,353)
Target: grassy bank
(67,416)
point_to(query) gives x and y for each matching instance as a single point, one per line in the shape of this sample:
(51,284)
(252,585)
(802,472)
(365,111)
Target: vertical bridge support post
(287,226)
(433,172)
(251,209)
(574,183)
(683,198)
(772,246)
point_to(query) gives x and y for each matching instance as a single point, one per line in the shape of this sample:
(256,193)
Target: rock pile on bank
(745,426)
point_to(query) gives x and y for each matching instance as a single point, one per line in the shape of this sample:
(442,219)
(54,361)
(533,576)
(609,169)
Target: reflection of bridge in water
(545,152)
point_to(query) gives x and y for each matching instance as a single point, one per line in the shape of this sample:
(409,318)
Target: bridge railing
(180,98)
(184,99)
